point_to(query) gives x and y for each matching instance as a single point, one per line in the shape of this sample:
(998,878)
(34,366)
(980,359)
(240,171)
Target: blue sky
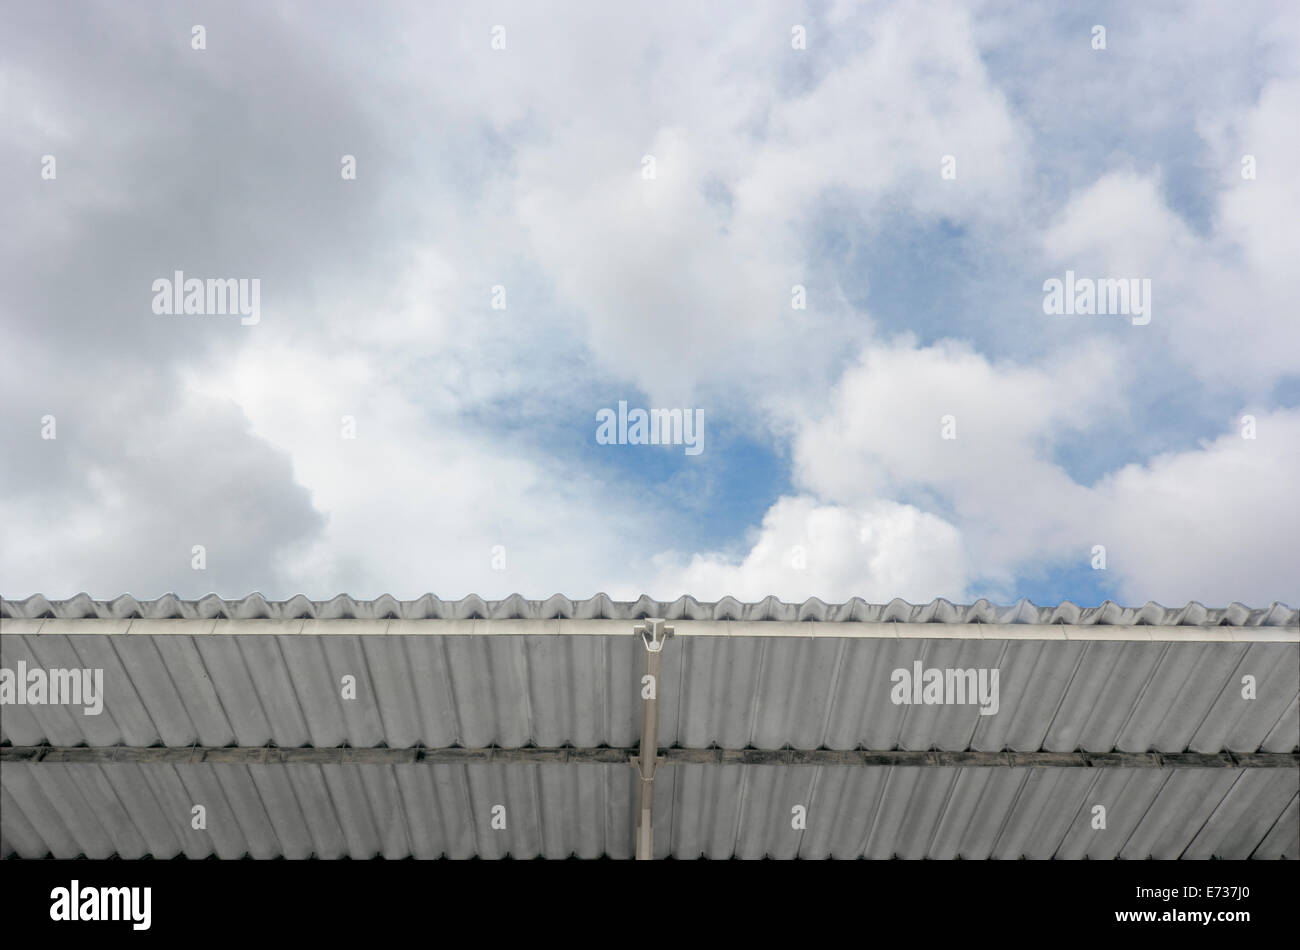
(475,466)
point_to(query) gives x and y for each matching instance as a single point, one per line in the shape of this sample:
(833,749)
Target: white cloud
(882,436)
(1213,524)
(804,549)
(418,500)
(680,290)
(1223,301)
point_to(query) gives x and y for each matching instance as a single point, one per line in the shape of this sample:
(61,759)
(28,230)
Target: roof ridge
(602,607)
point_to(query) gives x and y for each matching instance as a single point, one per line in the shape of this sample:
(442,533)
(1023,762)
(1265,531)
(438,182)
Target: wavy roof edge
(602,607)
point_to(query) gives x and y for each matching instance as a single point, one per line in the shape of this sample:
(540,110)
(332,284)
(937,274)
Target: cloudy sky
(415,408)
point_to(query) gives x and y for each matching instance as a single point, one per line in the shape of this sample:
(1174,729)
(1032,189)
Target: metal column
(653,634)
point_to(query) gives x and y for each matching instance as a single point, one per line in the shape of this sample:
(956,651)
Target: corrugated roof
(601,607)
(252,684)
(555,811)
(765,692)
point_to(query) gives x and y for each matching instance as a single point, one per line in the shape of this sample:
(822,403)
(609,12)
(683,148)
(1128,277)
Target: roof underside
(734,692)
(555,811)
(1153,679)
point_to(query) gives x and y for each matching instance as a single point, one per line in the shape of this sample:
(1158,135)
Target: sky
(825,230)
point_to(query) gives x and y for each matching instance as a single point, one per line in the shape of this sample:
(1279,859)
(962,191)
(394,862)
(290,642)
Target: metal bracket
(654,632)
(635,762)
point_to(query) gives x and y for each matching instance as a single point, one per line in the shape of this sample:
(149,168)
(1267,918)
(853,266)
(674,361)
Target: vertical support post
(654,632)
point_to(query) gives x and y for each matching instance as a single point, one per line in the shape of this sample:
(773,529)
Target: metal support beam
(614,755)
(654,633)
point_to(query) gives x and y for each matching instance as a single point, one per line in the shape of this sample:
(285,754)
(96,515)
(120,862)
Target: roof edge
(602,607)
(766,629)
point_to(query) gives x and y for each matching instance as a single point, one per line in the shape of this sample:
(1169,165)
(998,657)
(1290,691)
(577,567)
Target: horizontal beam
(245,755)
(807,629)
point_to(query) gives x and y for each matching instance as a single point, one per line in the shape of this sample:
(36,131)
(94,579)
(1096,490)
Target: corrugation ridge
(690,609)
(599,607)
(1022,611)
(1193,614)
(514,607)
(1065,612)
(555,607)
(602,607)
(123,607)
(300,608)
(1151,613)
(213,607)
(728,608)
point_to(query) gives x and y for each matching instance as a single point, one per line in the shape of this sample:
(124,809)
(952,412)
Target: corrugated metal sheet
(328,811)
(733,692)
(1121,690)
(556,811)
(914,813)
(599,607)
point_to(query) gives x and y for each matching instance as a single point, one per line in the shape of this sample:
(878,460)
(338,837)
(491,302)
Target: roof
(1116,688)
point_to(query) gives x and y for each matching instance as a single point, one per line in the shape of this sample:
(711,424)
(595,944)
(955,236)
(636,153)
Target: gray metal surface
(435,810)
(734,692)
(977,813)
(249,673)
